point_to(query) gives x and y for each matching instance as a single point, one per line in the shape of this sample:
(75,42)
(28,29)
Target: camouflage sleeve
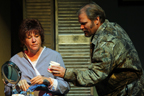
(102,60)
(108,55)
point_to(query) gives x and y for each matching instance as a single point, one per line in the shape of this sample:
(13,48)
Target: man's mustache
(85,30)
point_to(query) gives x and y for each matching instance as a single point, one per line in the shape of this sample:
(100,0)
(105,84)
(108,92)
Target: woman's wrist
(51,80)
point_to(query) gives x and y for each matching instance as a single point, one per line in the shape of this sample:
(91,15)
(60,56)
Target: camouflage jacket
(115,68)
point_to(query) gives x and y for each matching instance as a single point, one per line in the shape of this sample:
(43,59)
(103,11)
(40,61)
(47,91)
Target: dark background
(128,14)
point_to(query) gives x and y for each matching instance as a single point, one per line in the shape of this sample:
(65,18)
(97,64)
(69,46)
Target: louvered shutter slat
(71,43)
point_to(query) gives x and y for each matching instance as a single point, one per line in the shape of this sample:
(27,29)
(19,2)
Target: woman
(35,59)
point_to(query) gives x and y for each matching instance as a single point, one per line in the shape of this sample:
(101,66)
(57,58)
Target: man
(115,66)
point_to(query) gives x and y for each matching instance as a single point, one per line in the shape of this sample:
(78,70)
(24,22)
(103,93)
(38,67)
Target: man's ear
(97,20)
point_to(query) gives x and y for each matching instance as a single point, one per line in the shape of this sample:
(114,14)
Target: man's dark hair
(93,11)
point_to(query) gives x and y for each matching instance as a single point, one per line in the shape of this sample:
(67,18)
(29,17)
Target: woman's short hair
(29,25)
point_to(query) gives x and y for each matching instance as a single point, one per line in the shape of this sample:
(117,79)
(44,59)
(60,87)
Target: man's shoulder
(114,30)
(111,33)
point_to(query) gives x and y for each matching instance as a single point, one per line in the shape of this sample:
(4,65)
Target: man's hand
(58,71)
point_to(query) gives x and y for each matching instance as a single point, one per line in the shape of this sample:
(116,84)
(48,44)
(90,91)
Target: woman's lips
(34,45)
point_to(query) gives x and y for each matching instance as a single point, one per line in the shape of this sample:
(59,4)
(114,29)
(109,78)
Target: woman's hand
(40,80)
(23,85)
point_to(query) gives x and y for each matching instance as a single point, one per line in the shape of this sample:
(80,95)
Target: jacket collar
(98,32)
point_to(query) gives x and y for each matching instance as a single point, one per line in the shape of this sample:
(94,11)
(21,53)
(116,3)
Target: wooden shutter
(71,42)
(43,11)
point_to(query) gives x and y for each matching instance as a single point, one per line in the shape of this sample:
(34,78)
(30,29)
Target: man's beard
(92,24)
(88,31)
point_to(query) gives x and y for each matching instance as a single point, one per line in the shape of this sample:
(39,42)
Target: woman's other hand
(40,80)
(23,85)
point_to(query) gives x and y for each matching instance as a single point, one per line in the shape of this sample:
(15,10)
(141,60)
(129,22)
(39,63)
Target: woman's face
(33,41)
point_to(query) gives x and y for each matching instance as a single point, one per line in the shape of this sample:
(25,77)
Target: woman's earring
(24,48)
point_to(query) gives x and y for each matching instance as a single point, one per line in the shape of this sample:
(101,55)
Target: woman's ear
(24,47)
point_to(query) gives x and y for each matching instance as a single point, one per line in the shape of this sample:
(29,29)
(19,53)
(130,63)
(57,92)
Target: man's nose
(82,27)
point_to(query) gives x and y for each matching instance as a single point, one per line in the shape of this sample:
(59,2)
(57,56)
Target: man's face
(89,27)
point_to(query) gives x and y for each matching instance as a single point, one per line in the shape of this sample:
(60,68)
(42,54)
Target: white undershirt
(35,62)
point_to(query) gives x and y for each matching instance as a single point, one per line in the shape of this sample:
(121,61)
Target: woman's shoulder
(19,54)
(51,51)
